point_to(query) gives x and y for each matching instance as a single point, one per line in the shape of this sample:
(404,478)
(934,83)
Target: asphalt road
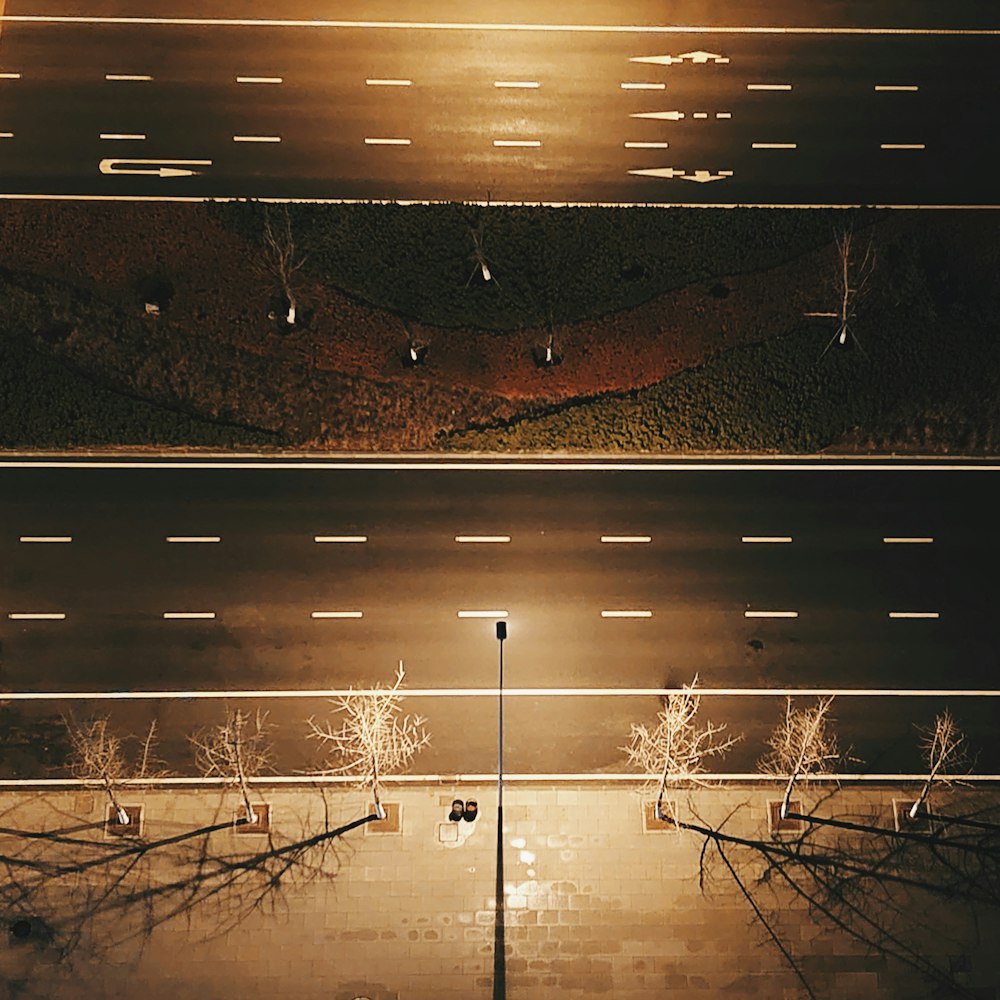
(697,583)
(519,103)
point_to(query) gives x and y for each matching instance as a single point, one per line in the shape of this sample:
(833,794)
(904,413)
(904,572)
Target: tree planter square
(393,822)
(776,825)
(262,811)
(651,823)
(133,828)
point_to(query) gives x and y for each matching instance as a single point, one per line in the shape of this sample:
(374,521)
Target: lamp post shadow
(499,943)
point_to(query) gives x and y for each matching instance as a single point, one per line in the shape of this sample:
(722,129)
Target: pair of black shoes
(464,810)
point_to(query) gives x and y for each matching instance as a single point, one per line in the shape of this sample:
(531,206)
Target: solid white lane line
(908,540)
(188,614)
(482,614)
(647,145)
(889,87)
(259,79)
(769,86)
(256,138)
(342,539)
(45,538)
(914,614)
(774,145)
(626,614)
(10,76)
(337,614)
(388,83)
(644,86)
(123,135)
(766,539)
(625,539)
(903,145)
(517,84)
(129,77)
(387,142)
(482,538)
(527,143)
(770,614)
(23,616)
(194,538)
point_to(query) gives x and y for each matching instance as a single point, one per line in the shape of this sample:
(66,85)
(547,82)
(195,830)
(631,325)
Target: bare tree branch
(281,256)
(945,752)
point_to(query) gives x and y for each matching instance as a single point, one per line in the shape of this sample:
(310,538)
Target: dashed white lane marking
(482,538)
(700,114)
(525,143)
(891,87)
(903,145)
(625,539)
(6,135)
(194,538)
(482,614)
(259,79)
(774,145)
(123,135)
(644,86)
(22,616)
(723,114)
(766,539)
(337,614)
(770,614)
(188,614)
(769,86)
(626,614)
(341,539)
(908,540)
(127,77)
(914,614)
(647,145)
(386,142)
(388,83)
(256,138)
(10,76)
(517,84)
(45,538)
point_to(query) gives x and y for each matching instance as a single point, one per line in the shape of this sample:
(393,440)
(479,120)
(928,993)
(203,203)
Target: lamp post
(499,945)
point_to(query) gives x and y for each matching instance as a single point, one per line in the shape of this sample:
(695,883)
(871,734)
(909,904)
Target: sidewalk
(594,904)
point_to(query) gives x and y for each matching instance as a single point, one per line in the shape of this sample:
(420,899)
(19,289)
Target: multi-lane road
(811,104)
(877,581)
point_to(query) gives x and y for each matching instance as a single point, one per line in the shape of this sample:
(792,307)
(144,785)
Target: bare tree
(677,746)
(98,754)
(945,752)
(801,744)
(373,739)
(853,278)
(282,257)
(235,750)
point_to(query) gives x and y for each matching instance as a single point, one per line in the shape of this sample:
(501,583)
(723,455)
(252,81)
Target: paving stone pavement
(595,904)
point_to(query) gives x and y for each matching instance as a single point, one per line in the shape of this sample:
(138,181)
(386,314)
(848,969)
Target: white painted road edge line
(386,142)
(769,86)
(883,87)
(905,540)
(123,135)
(259,79)
(770,614)
(256,138)
(482,614)
(766,539)
(482,538)
(625,539)
(517,84)
(279,694)
(127,77)
(914,614)
(626,614)
(195,539)
(340,539)
(38,616)
(189,614)
(388,83)
(45,538)
(337,614)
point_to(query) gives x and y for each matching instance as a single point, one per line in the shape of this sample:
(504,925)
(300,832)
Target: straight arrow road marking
(153,168)
(668,116)
(699,57)
(698,176)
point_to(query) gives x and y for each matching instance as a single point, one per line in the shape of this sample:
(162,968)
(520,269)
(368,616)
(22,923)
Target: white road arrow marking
(698,176)
(153,168)
(699,57)
(668,116)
